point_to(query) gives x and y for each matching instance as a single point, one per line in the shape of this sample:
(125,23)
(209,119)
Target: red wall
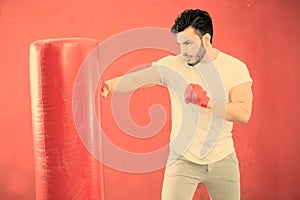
(262,33)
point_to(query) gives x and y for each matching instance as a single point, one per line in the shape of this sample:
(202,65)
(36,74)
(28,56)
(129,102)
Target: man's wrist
(104,86)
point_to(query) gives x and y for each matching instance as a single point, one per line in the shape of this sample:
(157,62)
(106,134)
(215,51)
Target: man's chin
(190,63)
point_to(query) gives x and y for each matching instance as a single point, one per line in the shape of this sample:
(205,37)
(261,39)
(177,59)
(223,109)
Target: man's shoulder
(229,59)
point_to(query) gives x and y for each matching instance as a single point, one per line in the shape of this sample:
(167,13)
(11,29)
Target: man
(209,90)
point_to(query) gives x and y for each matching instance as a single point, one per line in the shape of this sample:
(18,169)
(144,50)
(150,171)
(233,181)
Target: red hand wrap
(195,94)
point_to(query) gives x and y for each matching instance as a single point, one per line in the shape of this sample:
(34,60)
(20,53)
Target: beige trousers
(221,178)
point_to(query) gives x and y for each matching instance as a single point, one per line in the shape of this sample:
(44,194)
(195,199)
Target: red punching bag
(63,167)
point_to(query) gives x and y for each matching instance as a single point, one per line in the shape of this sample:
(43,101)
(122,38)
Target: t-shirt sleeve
(159,69)
(240,75)
(161,66)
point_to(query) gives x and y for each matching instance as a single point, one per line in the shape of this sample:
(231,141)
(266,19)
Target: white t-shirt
(197,133)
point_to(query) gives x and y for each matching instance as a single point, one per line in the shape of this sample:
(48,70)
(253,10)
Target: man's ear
(206,39)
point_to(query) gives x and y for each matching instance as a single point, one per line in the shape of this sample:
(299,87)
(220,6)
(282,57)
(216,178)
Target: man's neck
(210,56)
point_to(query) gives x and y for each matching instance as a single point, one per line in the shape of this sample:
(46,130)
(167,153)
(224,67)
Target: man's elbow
(245,117)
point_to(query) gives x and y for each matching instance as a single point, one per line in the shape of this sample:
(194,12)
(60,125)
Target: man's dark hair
(200,20)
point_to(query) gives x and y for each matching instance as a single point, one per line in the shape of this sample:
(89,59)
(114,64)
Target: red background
(262,33)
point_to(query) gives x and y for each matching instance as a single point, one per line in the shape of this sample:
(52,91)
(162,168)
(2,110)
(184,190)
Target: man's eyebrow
(186,41)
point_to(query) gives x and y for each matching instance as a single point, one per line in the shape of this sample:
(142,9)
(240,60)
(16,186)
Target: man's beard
(199,56)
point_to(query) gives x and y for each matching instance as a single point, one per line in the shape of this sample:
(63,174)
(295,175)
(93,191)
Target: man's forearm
(234,111)
(132,81)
